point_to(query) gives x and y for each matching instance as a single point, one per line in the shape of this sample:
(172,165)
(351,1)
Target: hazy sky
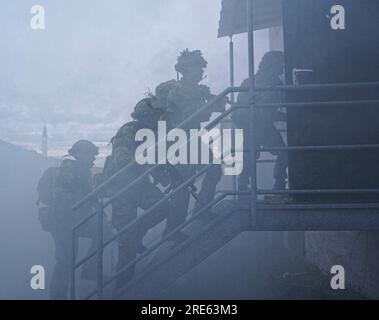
(97,58)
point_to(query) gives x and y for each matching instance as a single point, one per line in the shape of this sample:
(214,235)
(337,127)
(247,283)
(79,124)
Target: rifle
(176,176)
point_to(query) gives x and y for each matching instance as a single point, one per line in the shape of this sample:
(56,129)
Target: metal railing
(101,206)
(210,104)
(323,104)
(99,212)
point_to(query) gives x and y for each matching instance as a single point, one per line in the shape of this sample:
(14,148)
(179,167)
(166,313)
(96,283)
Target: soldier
(142,195)
(59,189)
(268,75)
(186,96)
(183,98)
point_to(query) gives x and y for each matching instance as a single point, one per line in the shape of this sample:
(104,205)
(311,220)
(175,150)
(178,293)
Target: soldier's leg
(243,179)
(280,171)
(60,279)
(123,213)
(89,231)
(89,269)
(179,205)
(273,138)
(178,209)
(150,197)
(208,186)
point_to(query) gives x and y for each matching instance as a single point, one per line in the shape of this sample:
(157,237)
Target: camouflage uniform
(266,133)
(142,195)
(182,99)
(73,182)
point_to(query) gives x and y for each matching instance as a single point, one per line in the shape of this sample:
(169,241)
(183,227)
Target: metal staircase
(250,212)
(104,203)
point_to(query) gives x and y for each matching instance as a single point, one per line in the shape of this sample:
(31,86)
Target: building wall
(357,252)
(276,38)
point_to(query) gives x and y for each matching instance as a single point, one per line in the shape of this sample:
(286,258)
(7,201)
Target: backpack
(46,186)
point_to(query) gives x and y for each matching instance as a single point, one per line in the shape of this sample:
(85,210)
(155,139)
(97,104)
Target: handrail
(183,185)
(109,181)
(99,189)
(320,104)
(317,191)
(153,167)
(326,86)
(324,206)
(148,171)
(132,224)
(320,148)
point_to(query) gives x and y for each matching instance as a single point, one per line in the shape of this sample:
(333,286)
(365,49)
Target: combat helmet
(83,147)
(189,59)
(148,109)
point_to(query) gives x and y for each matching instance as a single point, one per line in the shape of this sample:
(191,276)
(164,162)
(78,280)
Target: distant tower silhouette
(44,140)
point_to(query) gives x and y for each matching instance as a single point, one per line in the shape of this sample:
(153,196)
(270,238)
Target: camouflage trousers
(180,203)
(62,235)
(269,137)
(124,211)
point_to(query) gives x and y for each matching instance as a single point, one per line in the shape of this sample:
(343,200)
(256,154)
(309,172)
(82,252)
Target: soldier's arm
(220,105)
(203,97)
(271,97)
(123,149)
(122,155)
(243,97)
